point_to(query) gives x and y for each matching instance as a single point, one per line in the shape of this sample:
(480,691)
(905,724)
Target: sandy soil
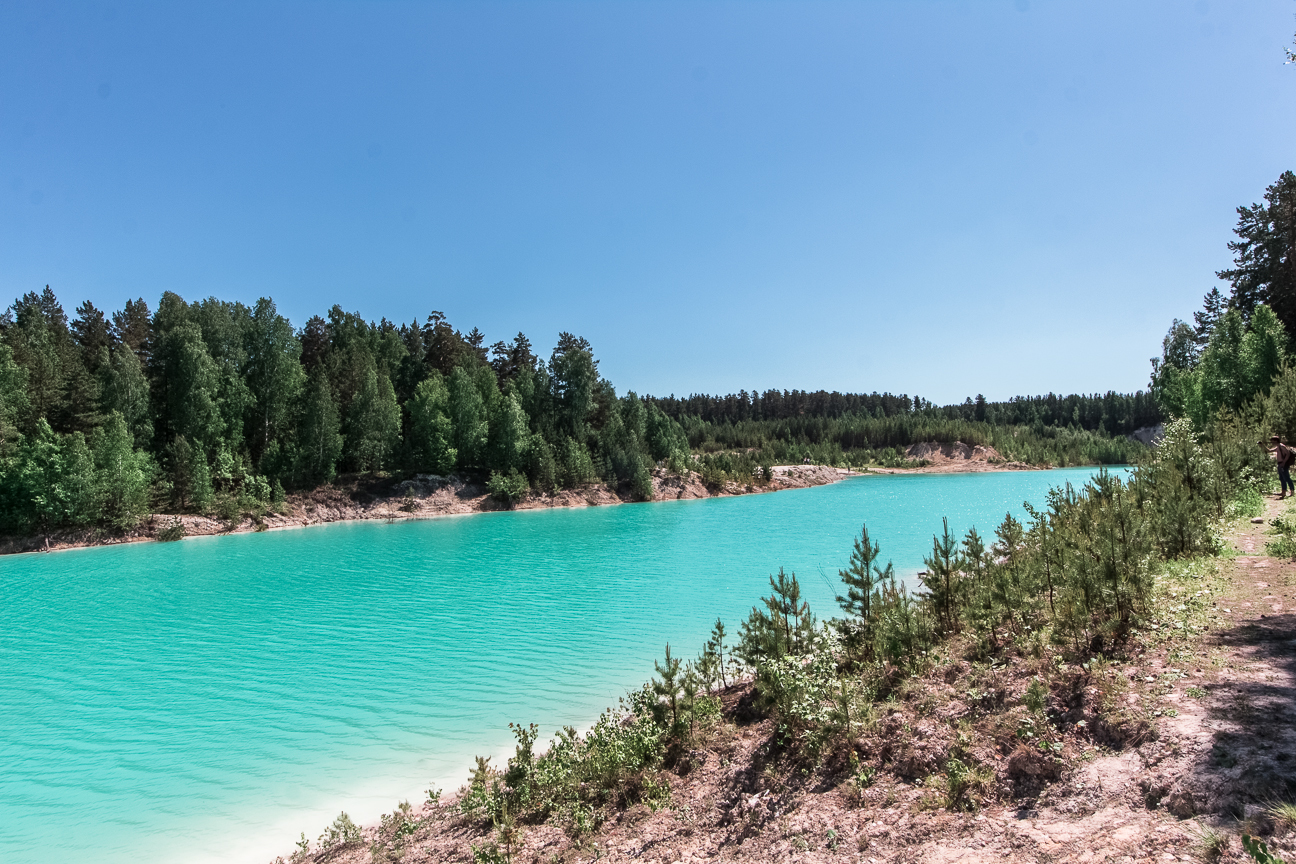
(1192,731)
(420,497)
(958,457)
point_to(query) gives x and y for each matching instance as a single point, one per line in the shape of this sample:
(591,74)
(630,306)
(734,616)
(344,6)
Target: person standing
(1283,456)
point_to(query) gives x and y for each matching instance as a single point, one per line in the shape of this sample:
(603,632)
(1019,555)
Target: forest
(217,407)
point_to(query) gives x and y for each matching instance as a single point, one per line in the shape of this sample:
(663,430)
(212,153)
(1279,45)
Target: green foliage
(343,832)
(711,666)
(1036,696)
(224,403)
(1259,851)
(861,440)
(1262,254)
(863,577)
(190,475)
(509,438)
(641,485)
(49,483)
(942,581)
(468,417)
(373,423)
(507,488)
(319,438)
(124,389)
(1239,362)
(123,474)
(1246,503)
(800,694)
(172,532)
(671,707)
(577,778)
(785,626)
(1284,545)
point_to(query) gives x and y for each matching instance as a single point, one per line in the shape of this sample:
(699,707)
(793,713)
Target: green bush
(343,832)
(1246,503)
(641,485)
(507,488)
(173,532)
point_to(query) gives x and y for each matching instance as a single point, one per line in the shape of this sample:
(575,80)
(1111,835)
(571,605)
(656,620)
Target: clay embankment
(423,496)
(1188,732)
(956,457)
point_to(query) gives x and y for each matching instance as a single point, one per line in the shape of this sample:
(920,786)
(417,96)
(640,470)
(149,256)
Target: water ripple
(227,693)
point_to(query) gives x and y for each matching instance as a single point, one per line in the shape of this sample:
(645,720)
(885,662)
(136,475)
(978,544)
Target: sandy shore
(426,496)
(423,496)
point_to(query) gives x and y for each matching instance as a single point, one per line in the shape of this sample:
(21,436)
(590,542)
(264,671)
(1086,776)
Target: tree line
(217,405)
(1111,413)
(1226,359)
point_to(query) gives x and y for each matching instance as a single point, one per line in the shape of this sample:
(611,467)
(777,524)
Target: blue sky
(1000,197)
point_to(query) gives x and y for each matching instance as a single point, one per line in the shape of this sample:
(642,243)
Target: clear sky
(1005,197)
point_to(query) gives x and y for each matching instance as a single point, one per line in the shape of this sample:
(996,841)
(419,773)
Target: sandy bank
(957,457)
(423,496)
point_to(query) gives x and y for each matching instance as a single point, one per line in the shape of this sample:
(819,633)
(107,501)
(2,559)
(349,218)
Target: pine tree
(667,687)
(785,626)
(1213,307)
(1008,588)
(862,577)
(943,590)
(1264,255)
(131,327)
(91,332)
(716,645)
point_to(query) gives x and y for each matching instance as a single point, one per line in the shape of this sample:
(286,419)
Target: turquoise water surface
(210,699)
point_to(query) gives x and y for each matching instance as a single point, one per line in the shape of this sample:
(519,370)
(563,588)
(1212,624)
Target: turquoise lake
(210,699)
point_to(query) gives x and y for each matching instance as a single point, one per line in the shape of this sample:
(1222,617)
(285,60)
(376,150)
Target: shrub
(173,532)
(641,485)
(343,832)
(507,488)
(784,626)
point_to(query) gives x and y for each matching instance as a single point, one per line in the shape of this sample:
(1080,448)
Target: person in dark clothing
(1283,456)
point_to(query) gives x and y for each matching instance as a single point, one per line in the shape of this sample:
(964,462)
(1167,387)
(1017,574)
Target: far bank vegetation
(221,409)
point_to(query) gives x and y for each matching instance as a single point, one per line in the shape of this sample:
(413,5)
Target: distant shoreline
(429,497)
(360,499)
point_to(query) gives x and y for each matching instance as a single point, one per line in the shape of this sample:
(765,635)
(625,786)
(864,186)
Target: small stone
(1259,520)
